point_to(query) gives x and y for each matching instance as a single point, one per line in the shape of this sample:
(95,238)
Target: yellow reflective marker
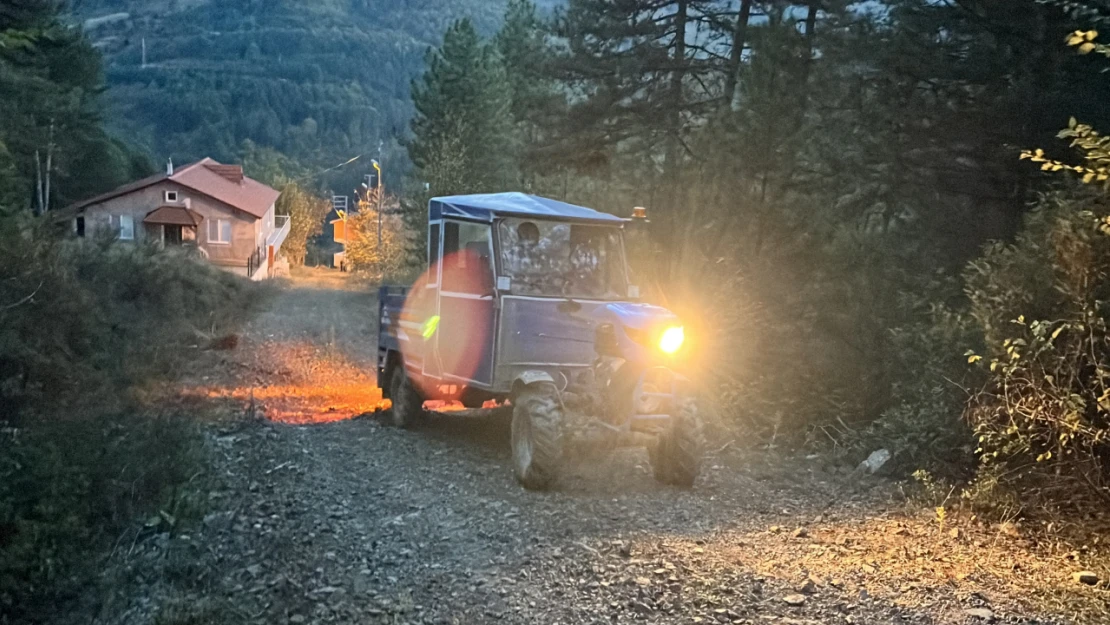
(430,326)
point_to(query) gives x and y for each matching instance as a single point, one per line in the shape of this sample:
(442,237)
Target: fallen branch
(25,299)
(279,467)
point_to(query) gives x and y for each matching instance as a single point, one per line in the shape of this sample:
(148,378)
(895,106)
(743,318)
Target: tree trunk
(49,168)
(673,165)
(739,40)
(38,184)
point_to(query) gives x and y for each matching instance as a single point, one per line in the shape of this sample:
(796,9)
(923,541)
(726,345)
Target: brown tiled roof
(234,173)
(173,216)
(224,183)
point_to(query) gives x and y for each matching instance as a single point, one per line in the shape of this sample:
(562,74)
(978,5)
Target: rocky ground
(314,517)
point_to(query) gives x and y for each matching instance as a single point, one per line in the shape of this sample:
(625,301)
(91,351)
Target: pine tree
(644,73)
(50,80)
(536,100)
(463,139)
(464,94)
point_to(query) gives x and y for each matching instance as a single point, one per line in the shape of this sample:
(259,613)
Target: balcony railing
(255,261)
(281,230)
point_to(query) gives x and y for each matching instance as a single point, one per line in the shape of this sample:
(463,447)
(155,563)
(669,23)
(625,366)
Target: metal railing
(281,230)
(254,262)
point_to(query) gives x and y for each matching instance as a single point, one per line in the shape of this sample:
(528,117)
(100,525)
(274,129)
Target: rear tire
(537,437)
(408,405)
(676,456)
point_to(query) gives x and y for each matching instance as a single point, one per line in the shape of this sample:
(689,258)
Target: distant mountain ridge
(315,79)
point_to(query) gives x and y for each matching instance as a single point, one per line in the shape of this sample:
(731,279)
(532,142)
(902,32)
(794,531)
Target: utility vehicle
(526,301)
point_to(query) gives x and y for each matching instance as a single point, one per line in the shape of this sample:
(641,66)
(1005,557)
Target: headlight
(672,339)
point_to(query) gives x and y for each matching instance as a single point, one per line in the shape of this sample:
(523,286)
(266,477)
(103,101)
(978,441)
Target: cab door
(424,300)
(464,339)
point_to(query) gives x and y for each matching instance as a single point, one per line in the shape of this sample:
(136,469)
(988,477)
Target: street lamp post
(381,191)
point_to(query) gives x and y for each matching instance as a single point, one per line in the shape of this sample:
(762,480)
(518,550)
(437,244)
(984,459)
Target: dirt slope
(331,520)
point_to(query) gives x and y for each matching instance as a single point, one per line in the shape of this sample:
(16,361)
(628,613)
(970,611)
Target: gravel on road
(326,516)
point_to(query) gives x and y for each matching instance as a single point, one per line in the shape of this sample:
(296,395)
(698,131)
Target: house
(337,219)
(211,207)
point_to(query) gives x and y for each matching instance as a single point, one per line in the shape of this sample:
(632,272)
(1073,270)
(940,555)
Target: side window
(433,251)
(126,227)
(466,258)
(219,231)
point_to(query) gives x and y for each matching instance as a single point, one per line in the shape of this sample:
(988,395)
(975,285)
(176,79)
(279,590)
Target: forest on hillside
(320,82)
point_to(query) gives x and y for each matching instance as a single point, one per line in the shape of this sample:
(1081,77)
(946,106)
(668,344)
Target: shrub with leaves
(81,320)
(363,250)
(83,326)
(923,427)
(1094,146)
(306,219)
(1043,419)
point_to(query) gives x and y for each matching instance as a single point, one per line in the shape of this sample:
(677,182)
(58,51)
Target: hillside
(319,80)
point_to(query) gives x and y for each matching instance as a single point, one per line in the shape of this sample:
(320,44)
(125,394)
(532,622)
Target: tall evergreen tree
(643,72)
(462,133)
(50,80)
(536,98)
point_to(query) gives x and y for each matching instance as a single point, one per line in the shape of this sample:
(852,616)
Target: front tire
(537,437)
(408,405)
(676,456)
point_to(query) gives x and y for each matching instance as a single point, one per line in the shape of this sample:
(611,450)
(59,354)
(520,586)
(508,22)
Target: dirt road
(317,518)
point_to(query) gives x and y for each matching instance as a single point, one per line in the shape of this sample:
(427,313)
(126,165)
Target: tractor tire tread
(676,458)
(408,407)
(545,417)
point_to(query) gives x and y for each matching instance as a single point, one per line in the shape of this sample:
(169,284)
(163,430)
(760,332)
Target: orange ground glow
(299,382)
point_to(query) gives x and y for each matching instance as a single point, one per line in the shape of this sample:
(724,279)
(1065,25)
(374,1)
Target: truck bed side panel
(395,332)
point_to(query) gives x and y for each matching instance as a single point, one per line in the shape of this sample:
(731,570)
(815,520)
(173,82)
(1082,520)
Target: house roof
(173,216)
(224,183)
(486,207)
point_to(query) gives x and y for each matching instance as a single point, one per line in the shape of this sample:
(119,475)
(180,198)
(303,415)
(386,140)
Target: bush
(83,322)
(1043,418)
(923,427)
(363,252)
(72,489)
(84,326)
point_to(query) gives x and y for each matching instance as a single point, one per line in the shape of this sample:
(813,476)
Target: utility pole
(380,191)
(144,53)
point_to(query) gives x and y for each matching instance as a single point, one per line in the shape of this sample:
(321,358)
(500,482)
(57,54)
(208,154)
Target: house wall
(245,229)
(266,224)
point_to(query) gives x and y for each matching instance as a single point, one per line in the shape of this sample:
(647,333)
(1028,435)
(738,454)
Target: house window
(433,245)
(219,231)
(126,227)
(171,196)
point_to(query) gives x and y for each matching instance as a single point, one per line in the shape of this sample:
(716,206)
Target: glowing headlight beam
(672,339)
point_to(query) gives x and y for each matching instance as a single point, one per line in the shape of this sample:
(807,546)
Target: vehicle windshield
(562,260)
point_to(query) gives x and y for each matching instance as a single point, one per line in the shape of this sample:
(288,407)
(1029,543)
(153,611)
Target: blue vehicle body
(485,339)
